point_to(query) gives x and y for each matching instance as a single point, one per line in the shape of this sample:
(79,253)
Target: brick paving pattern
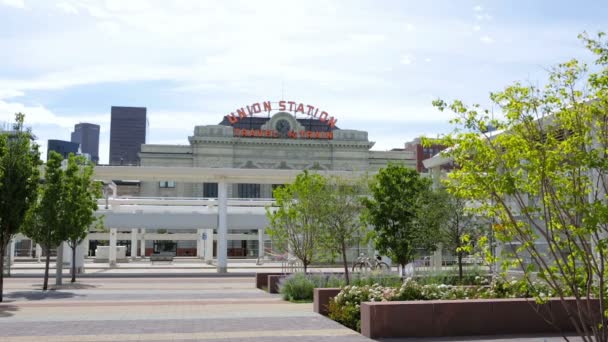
(159,309)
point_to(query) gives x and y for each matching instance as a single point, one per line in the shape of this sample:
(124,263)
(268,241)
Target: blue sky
(375,65)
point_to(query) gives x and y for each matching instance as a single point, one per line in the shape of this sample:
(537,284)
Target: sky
(375,65)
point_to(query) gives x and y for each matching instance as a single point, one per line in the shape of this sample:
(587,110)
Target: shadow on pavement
(40,295)
(66,286)
(6,310)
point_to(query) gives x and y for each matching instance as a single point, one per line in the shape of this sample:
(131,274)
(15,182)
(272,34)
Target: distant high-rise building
(87,135)
(62,147)
(127,134)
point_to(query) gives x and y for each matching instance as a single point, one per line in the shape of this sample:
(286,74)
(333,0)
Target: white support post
(437,262)
(59,265)
(142,246)
(133,243)
(82,252)
(208,249)
(260,243)
(11,252)
(38,251)
(112,252)
(200,243)
(222,229)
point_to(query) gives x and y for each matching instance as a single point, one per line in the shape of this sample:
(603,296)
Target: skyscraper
(62,147)
(127,134)
(87,135)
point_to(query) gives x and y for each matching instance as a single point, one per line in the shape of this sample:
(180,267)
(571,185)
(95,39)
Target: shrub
(474,276)
(347,315)
(297,287)
(300,286)
(345,307)
(380,278)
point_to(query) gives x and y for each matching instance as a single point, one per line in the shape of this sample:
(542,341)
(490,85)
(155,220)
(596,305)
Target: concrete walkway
(179,267)
(159,309)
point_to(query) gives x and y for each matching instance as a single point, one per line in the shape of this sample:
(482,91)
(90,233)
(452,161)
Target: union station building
(207,198)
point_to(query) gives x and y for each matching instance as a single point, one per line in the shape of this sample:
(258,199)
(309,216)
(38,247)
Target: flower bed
(346,306)
(299,287)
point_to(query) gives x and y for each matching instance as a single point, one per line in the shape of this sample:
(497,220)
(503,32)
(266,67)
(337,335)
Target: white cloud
(108,27)
(14,3)
(486,40)
(64,6)
(218,56)
(483,16)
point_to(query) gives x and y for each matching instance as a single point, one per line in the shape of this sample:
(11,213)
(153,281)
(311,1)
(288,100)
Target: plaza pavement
(159,309)
(108,304)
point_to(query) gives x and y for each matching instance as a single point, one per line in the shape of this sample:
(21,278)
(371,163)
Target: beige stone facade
(217,146)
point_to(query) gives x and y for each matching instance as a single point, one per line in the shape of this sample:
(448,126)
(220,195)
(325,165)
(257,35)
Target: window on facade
(249,190)
(166,184)
(209,189)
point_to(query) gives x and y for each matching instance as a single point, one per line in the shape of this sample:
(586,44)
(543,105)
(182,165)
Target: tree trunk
(74,262)
(345,263)
(2,250)
(305,266)
(45,285)
(460,267)
(402,270)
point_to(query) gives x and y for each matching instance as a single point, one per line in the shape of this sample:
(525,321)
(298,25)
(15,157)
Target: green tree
(398,211)
(296,220)
(79,202)
(543,178)
(341,221)
(461,228)
(45,221)
(19,178)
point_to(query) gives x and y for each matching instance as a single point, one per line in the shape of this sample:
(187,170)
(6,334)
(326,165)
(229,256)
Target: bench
(161,257)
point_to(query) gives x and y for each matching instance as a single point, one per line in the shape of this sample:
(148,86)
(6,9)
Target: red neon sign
(284,106)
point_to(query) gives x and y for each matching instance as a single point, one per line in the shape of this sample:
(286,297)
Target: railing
(185,201)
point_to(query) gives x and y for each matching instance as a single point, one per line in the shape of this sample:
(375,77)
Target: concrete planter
(321,298)
(464,317)
(273,282)
(261,279)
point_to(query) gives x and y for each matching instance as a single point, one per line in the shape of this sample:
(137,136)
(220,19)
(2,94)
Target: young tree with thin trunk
(460,230)
(19,178)
(342,223)
(543,178)
(45,221)
(80,202)
(296,220)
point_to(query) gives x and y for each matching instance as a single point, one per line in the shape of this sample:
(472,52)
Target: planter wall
(321,298)
(273,282)
(464,317)
(261,279)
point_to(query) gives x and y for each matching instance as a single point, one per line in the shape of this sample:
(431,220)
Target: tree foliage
(19,178)
(461,228)
(296,220)
(398,210)
(543,178)
(45,222)
(79,202)
(341,223)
